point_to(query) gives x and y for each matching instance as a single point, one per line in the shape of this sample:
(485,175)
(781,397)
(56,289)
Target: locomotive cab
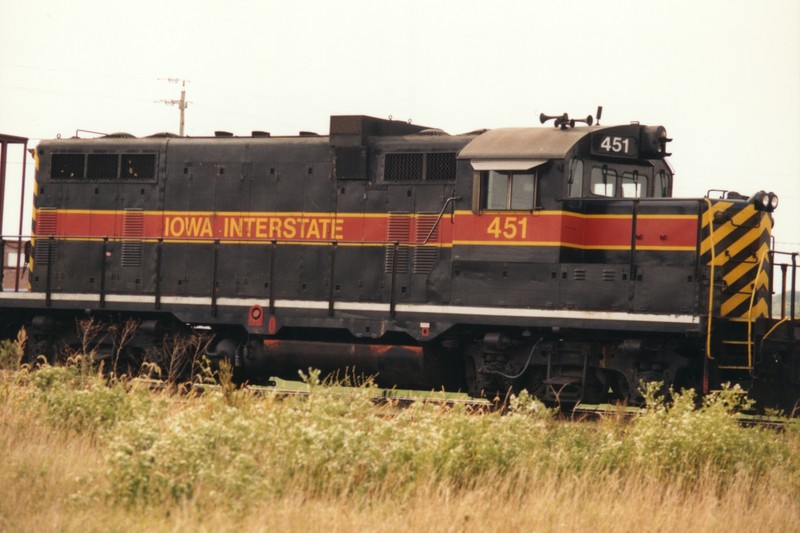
(587,228)
(526,169)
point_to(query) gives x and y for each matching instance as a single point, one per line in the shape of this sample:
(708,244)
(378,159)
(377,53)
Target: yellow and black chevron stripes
(34,215)
(735,243)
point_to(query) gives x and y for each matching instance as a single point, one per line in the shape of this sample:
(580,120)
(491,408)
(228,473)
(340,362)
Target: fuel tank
(392,365)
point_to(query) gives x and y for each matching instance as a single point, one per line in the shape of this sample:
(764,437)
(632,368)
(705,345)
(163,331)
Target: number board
(615,145)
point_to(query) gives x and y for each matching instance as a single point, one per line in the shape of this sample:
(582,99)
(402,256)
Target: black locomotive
(547,258)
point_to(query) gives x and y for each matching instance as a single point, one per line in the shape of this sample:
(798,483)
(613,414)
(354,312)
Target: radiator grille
(440,167)
(102,167)
(403,167)
(67,166)
(420,167)
(138,166)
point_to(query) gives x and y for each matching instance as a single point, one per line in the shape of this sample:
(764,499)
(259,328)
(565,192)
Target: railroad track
(406,398)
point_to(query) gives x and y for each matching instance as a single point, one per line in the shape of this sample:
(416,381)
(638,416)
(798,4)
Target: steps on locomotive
(734,357)
(563,389)
(736,349)
(567,382)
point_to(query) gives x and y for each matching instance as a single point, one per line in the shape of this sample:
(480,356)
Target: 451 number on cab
(508,227)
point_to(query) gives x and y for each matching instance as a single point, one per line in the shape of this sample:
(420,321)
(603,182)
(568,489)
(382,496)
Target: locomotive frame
(552,259)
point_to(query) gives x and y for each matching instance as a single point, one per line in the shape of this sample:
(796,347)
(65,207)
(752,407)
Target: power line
(182,103)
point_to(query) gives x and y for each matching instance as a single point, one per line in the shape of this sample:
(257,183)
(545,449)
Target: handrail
(773,328)
(788,294)
(439,218)
(332,282)
(224,240)
(711,279)
(750,309)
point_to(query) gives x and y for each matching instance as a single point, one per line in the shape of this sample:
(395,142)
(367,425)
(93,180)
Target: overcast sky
(722,76)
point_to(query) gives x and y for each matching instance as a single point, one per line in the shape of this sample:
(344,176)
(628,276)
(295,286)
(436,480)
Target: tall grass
(82,452)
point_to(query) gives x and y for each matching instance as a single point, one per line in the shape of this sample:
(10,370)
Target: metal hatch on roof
(517,147)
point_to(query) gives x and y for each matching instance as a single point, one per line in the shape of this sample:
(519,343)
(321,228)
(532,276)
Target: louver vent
(132,232)
(398,229)
(426,253)
(46,222)
(46,226)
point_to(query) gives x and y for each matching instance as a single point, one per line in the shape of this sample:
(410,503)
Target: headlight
(773,201)
(760,200)
(763,201)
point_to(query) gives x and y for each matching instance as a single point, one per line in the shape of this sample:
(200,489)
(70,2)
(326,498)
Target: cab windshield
(608,180)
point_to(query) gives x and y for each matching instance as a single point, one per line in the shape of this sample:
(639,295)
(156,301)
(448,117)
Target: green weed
(227,444)
(12,351)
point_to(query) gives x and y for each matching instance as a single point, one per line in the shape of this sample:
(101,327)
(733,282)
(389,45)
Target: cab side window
(662,185)
(507,190)
(575,179)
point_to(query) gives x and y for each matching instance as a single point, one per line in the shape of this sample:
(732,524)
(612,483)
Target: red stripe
(569,230)
(462,229)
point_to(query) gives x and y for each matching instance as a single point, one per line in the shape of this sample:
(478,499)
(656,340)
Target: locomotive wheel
(471,376)
(620,388)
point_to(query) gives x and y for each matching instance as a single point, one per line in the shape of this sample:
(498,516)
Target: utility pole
(182,103)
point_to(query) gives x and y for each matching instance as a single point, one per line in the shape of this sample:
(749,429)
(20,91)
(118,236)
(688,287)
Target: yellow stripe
(763,280)
(575,215)
(230,240)
(737,299)
(733,302)
(744,268)
(261,242)
(727,228)
(188,212)
(740,244)
(713,209)
(235,213)
(761,309)
(664,248)
(226,240)
(670,216)
(618,247)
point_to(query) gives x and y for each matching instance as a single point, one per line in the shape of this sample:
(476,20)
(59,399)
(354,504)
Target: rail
(403,398)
